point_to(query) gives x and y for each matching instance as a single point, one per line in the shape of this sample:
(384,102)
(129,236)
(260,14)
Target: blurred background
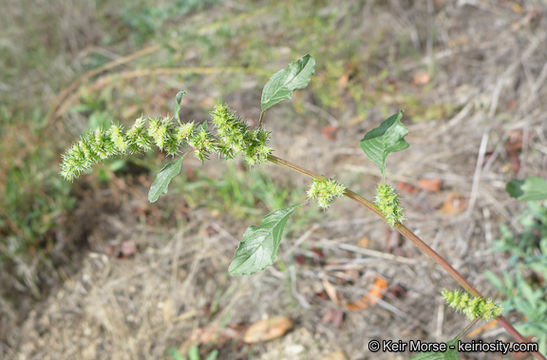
(92,270)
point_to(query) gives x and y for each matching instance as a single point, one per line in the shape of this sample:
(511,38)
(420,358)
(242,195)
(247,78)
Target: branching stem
(406,232)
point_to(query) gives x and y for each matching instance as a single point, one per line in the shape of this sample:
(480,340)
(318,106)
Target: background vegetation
(92,270)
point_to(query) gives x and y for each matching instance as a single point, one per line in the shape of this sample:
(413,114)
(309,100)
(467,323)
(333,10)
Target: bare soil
(154,276)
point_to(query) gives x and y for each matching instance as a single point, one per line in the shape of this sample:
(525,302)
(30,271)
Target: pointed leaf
(258,249)
(164,177)
(533,188)
(385,139)
(284,82)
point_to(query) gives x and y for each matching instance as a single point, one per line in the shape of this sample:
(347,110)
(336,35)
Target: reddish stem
(403,230)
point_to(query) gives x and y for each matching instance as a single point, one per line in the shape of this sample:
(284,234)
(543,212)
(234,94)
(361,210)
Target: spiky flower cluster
(472,306)
(105,143)
(235,136)
(203,142)
(387,201)
(325,191)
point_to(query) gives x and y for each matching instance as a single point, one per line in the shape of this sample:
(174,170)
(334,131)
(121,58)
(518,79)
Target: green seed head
(138,137)
(203,142)
(472,307)
(387,201)
(118,137)
(325,191)
(184,131)
(102,144)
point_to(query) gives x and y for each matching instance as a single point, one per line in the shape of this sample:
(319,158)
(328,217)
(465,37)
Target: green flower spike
(325,191)
(472,307)
(158,131)
(387,201)
(118,137)
(231,129)
(256,146)
(232,137)
(138,137)
(102,144)
(203,142)
(74,162)
(235,136)
(184,131)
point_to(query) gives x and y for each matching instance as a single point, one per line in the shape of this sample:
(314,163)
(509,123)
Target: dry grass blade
(127,75)
(61,98)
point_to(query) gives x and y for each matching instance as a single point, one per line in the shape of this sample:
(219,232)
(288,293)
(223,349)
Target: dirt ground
(472,79)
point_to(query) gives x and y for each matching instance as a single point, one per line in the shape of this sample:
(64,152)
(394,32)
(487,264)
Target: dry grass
(487,60)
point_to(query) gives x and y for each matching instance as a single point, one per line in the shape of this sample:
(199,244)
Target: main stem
(406,232)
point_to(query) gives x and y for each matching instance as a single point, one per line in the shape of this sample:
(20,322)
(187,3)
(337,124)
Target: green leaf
(193,353)
(514,188)
(213,355)
(258,249)
(175,354)
(385,139)
(533,188)
(164,177)
(494,280)
(284,82)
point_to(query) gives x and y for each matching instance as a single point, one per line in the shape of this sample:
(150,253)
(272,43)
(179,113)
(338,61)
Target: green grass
(524,286)
(193,354)
(144,18)
(33,199)
(240,193)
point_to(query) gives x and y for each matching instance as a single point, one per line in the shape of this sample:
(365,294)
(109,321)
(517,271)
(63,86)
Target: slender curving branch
(406,232)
